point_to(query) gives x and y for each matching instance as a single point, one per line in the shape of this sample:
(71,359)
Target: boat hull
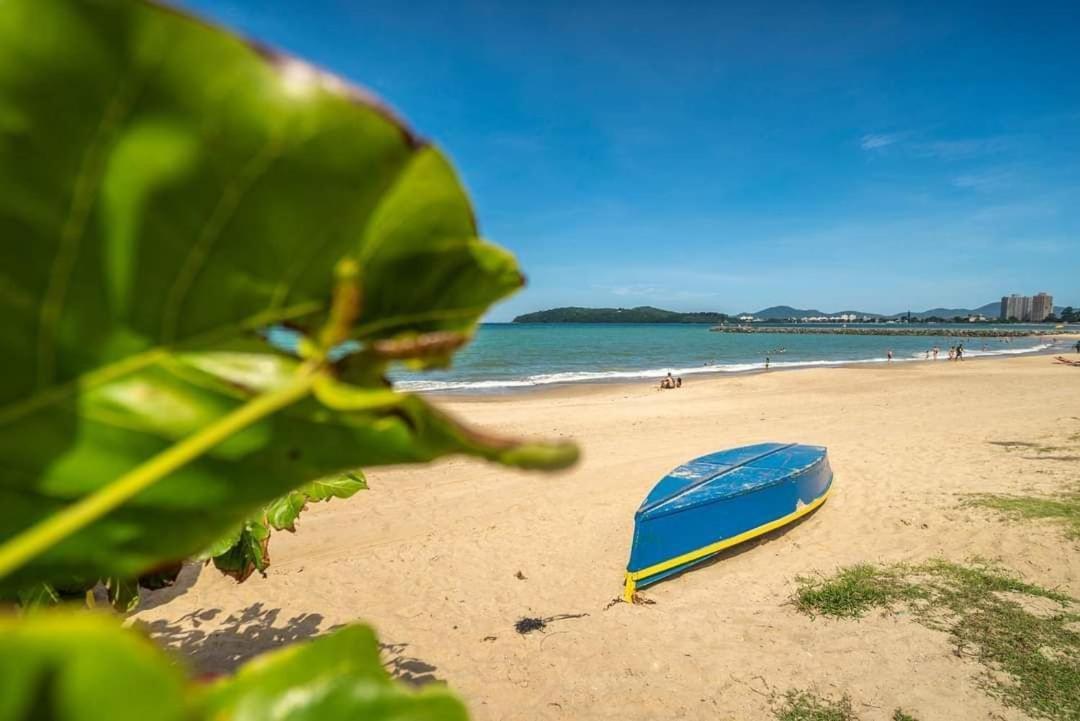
(720,500)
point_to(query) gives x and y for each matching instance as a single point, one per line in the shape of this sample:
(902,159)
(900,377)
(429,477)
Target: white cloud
(987,180)
(878,141)
(965,148)
(951,149)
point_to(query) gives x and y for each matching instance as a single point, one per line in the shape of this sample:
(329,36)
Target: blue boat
(722,499)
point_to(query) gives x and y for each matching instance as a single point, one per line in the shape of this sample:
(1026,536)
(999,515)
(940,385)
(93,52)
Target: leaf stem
(46,534)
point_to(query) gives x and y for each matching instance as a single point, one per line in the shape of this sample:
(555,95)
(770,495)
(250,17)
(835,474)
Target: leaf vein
(71,233)
(231,198)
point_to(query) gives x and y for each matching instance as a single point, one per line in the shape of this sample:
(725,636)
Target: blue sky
(720,156)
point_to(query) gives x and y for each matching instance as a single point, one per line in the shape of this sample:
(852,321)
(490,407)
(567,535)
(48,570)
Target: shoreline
(1061,345)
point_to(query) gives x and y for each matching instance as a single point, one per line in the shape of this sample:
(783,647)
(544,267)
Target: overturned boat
(722,499)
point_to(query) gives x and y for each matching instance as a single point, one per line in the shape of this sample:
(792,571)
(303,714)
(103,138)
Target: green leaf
(281,514)
(40,595)
(338,676)
(250,552)
(123,593)
(165,190)
(85,667)
(243,551)
(343,485)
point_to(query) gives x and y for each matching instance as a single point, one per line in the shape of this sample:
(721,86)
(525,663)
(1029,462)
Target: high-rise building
(1042,307)
(1027,308)
(1010,307)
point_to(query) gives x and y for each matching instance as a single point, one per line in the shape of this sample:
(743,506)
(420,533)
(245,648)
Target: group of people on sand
(670,382)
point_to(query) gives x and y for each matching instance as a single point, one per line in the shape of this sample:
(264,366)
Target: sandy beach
(443,559)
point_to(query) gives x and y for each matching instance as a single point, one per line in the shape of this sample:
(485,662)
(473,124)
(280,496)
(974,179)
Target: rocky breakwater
(950,332)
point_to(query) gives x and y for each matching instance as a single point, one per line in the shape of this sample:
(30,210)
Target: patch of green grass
(980,607)
(1065,508)
(805,706)
(900,715)
(853,591)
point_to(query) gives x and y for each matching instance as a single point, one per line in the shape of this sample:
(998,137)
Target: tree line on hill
(642,314)
(649,314)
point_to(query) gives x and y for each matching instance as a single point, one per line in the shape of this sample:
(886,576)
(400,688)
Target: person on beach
(952,353)
(936,351)
(888,355)
(1078,346)
(678,382)
(926,355)
(767,359)
(960,352)
(668,382)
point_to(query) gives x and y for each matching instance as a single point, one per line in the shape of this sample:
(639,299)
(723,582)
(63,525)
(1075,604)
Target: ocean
(507,356)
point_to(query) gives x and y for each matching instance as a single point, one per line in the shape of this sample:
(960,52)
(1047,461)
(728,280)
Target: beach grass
(853,591)
(1064,508)
(1028,637)
(805,706)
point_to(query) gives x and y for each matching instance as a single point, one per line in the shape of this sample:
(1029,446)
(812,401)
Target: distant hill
(990,310)
(641,314)
(780,312)
(649,314)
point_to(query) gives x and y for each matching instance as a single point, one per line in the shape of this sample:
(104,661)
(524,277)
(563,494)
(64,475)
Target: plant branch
(54,529)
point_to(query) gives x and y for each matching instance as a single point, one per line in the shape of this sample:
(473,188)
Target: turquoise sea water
(505,356)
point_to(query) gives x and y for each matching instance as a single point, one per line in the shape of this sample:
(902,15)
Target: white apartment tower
(1042,307)
(1027,308)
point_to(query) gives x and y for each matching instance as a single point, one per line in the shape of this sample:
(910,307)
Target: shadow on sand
(212,645)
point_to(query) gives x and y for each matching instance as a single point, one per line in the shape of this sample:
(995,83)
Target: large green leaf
(165,190)
(85,667)
(281,513)
(338,676)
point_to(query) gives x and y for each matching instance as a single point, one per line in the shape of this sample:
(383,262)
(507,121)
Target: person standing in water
(767,357)
(888,355)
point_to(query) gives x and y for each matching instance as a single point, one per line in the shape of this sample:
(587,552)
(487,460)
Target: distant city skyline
(1014,305)
(1026,307)
(699,156)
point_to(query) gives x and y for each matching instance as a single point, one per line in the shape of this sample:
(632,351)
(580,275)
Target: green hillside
(641,314)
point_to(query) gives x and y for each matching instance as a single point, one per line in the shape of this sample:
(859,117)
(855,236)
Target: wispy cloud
(944,149)
(654,292)
(877,141)
(986,180)
(630,290)
(961,148)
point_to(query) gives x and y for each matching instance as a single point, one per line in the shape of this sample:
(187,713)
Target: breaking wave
(543,379)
